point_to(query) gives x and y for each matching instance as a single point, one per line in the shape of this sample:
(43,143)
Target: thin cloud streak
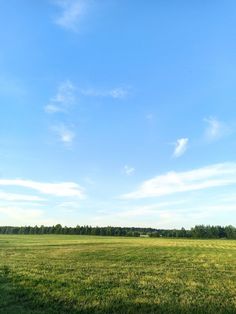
(56,189)
(5,196)
(115,93)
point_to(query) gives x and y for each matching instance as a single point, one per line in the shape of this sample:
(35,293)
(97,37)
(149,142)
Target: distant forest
(199,231)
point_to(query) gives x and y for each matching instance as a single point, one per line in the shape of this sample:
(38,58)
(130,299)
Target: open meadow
(89,274)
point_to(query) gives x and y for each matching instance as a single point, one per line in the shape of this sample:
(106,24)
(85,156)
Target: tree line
(199,231)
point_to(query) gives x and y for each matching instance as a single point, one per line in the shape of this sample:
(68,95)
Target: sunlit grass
(87,274)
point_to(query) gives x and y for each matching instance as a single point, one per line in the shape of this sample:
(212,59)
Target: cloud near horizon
(174,182)
(20,214)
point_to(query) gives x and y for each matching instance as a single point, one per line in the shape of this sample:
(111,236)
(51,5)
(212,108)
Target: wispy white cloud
(180,147)
(129,170)
(71,13)
(55,189)
(174,182)
(6,196)
(64,98)
(215,129)
(62,102)
(116,93)
(67,94)
(65,134)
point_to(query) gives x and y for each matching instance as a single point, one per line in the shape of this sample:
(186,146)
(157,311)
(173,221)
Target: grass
(87,274)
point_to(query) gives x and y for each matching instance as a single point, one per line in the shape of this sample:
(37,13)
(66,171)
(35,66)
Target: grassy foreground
(87,274)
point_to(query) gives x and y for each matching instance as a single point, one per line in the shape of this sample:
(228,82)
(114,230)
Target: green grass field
(86,274)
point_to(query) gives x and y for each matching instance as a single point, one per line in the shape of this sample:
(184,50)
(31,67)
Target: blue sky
(117,113)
